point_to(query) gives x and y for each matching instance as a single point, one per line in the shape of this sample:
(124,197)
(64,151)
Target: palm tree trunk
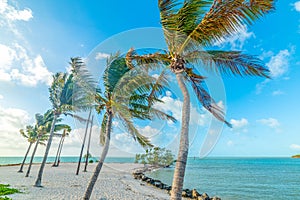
(88,147)
(56,157)
(176,193)
(82,146)
(32,156)
(38,182)
(62,143)
(22,165)
(93,179)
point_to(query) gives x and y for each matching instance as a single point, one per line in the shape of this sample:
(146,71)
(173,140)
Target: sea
(228,178)
(240,178)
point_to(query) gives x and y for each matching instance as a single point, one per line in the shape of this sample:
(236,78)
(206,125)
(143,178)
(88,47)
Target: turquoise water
(241,178)
(16,160)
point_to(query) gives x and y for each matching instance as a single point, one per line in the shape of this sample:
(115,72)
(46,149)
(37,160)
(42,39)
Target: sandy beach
(114,183)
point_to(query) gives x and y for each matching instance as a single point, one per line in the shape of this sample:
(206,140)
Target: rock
(216,198)
(195,194)
(187,193)
(184,194)
(144,178)
(204,196)
(169,188)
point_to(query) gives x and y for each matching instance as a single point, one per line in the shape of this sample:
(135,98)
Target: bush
(5,190)
(155,156)
(91,161)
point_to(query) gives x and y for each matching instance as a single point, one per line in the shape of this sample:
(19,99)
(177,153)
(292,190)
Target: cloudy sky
(37,39)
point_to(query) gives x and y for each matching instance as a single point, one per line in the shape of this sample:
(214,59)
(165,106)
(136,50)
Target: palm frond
(148,61)
(206,100)
(226,18)
(229,63)
(80,119)
(142,140)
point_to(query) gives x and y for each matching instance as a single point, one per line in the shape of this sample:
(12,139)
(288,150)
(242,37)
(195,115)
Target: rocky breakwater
(187,193)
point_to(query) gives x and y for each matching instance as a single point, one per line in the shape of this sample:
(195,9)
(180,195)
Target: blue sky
(37,39)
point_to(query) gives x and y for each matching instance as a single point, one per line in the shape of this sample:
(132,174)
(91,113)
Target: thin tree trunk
(58,149)
(82,146)
(62,143)
(98,168)
(22,165)
(178,179)
(38,182)
(88,147)
(32,156)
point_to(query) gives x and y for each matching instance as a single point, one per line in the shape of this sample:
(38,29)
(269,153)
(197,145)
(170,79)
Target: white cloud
(239,125)
(149,131)
(100,56)
(230,143)
(11,121)
(279,64)
(18,65)
(238,40)
(173,106)
(11,13)
(277,93)
(7,56)
(295,146)
(297,6)
(1,97)
(271,122)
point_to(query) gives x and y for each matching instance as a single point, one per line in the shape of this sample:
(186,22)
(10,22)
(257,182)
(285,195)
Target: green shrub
(155,156)
(5,190)
(91,161)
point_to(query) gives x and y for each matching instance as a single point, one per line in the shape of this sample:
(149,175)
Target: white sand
(114,182)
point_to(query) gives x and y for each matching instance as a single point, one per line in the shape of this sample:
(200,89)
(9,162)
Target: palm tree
(31,136)
(43,126)
(88,155)
(190,27)
(115,107)
(65,100)
(65,133)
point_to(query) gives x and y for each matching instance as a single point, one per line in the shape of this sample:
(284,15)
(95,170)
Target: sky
(38,38)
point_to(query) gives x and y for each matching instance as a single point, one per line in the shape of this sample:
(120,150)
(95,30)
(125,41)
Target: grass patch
(5,190)
(5,198)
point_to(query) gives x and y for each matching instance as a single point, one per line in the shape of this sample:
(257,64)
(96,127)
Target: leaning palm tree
(31,135)
(137,106)
(190,27)
(66,131)
(65,100)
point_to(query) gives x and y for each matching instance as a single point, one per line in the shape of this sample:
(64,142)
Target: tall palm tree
(116,107)
(65,100)
(65,133)
(190,27)
(31,135)
(43,126)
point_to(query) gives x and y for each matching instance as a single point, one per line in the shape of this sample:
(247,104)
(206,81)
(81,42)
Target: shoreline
(114,182)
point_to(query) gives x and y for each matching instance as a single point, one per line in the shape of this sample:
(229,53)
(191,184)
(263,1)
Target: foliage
(5,190)
(87,156)
(91,161)
(156,156)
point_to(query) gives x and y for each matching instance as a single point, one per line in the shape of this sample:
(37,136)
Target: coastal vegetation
(296,156)
(6,190)
(156,156)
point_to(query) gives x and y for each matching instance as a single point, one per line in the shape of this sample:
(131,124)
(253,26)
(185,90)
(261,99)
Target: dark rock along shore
(187,193)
